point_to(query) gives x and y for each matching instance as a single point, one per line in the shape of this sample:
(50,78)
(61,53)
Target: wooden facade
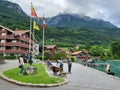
(15,42)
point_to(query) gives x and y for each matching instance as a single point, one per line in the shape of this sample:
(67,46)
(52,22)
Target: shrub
(10,57)
(73,59)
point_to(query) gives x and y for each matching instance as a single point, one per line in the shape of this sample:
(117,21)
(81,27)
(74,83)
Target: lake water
(114,66)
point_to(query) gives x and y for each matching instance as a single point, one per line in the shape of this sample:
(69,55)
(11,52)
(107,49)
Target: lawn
(41,76)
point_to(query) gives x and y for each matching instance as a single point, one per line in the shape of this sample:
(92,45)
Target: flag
(44,23)
(35,26)
(33,13)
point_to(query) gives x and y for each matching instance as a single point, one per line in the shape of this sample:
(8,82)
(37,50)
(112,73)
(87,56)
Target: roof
(19,32)
(76,53)
(7,29)
(50,46)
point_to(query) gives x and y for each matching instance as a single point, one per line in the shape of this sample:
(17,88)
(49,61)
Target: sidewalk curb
(30,84)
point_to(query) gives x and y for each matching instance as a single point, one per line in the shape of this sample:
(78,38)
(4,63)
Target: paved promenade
(82,78)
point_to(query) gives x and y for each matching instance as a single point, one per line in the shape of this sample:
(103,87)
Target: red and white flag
(44,23)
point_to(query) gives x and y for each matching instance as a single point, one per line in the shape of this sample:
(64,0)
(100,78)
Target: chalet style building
(16,42)
(51,48)
(81,55)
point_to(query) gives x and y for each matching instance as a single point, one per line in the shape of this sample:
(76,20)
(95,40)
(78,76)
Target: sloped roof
(19,32)
(76,53)
(7,29)
(50,46)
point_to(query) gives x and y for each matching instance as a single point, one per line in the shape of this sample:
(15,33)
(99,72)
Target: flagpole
(33,41)
(43,47)
(30,32)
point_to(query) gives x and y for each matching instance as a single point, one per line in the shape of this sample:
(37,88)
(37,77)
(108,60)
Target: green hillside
(76,36)
(12,16)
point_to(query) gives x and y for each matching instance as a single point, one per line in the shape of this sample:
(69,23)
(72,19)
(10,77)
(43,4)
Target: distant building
(51,48)
(16,42)
(81,55)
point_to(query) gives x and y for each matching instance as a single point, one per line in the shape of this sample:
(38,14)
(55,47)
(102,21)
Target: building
(51,48)
(16,42)
(81,55)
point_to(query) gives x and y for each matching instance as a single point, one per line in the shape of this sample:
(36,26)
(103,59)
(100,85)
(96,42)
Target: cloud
(103,9)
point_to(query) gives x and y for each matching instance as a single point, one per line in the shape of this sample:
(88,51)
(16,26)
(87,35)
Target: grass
(41,77)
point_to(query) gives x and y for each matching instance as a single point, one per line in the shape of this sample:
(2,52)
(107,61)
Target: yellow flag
(35,26)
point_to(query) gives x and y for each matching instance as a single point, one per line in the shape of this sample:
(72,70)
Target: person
(24,58)
(59,64)
(69,65)
(21,64)
(49,64)
(30,58)
(108,70)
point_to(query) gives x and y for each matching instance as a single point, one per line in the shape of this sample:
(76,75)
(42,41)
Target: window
(2,48)
(2,41)
(13,48)
(13,41)
(3,34)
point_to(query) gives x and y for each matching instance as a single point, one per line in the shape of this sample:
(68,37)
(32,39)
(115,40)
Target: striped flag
(44,23)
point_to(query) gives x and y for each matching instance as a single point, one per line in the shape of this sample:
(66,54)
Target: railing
(13,37)
(7,37)
(15,44)
(9,51)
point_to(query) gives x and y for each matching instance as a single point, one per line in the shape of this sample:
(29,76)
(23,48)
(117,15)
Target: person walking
(21,64)
(69,65)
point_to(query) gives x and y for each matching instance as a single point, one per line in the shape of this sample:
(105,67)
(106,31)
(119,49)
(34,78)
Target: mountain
(12,16)
(63,29)
(73,20)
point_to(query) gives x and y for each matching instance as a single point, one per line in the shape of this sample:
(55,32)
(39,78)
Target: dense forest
(63,36)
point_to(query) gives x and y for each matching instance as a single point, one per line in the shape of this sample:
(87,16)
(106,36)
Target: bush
(73,59)
(10,57)
(40,57)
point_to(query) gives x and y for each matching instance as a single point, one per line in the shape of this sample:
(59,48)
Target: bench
(58,70)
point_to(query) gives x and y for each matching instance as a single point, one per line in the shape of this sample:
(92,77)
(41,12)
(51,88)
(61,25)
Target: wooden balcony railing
(13,37)
(9,51)
(15,44)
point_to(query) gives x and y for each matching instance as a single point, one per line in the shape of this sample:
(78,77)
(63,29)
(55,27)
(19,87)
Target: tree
(60,55)
(97,50)
(115,48)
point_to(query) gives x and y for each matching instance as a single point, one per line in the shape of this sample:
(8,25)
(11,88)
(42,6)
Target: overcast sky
(108,10)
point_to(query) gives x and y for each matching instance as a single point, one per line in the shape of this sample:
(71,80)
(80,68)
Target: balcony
(19,44)
(13,37)
(7,37)
(9,51)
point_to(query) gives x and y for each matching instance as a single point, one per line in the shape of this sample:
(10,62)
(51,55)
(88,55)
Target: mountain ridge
(64,29)
(74,20)
(12,15)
